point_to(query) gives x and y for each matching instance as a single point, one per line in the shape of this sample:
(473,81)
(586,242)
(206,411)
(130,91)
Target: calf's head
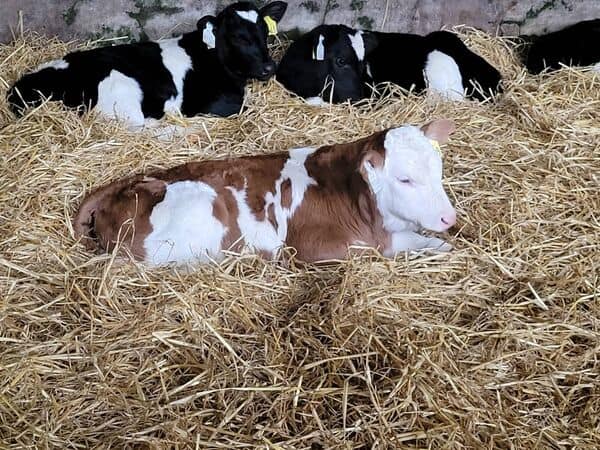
(338,56)
(406,176)
(239,35)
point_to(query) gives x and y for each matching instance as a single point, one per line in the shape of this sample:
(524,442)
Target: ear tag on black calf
(271,25)
(208,35)
(318,53)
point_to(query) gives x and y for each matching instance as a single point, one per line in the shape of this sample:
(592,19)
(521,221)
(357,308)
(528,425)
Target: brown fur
(337,212)
(225,210)
(121,210)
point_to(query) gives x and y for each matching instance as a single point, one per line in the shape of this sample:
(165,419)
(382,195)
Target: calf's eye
(340,62)
(405,180)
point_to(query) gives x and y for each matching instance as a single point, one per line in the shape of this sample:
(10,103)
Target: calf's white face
(407,182)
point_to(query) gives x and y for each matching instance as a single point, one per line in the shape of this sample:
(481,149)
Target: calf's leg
(408,240)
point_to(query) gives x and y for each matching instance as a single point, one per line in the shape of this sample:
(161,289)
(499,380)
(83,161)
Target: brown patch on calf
(256,174)
(225,210)
(271,215)
(340,210)
(121,210)
(127,217)
(286,193)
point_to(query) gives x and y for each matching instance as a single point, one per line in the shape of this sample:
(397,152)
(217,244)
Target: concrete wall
(153,19)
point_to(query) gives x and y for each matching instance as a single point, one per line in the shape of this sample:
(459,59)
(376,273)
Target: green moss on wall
(366,22)
(106,32)
(147,10)
(357,5)
(71,12)
(311,6)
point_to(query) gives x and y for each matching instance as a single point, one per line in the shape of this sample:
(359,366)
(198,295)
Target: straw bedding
(495,345)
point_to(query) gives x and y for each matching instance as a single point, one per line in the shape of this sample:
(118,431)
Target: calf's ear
(370,161)
(318,47)
(208,26)
(370,41)
(201,24)
(439,130)
(274,10)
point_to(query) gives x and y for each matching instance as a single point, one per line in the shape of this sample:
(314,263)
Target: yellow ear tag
(436,145)
(271,25)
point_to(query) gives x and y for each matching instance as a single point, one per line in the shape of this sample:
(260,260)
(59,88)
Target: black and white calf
(329,63)
(439,61)
(204,71)
(576,45)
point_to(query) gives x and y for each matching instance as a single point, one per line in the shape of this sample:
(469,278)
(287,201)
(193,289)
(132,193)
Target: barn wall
(71,19)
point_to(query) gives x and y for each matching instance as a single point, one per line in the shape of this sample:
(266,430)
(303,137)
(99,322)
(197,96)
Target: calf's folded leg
(408,240)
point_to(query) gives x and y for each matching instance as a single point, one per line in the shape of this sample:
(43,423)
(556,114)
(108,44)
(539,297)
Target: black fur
(576,45)
(78,84)
(305,76)
(391,57)
(214,84)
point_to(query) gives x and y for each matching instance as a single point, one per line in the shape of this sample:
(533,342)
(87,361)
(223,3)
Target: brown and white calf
(377,192)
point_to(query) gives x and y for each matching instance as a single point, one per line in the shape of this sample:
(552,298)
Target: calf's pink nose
(449,219)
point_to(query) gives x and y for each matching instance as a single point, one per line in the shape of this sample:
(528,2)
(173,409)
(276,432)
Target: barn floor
(495,345)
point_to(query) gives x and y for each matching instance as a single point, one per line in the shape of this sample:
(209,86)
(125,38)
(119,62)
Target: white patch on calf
(319,51)
(250,16)
(56,64)
(161,131)
(422,201)
(257,235)
(208,35)
(443,76)
(184,229)
(596,68)
(177,62)
(369,70)
(120,97)
(295,171)
(316,101)
(356,40)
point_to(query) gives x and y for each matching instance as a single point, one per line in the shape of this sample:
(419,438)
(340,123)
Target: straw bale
(495,345)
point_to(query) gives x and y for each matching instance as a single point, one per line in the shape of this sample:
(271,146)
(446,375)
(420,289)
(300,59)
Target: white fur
(319,53)
(443,76)
(295,171)
(162,131)
(407,241)
(356,40)
(262,235)
(120,97)
(257,235)
(250,16)
(315,101)
(410,155)
(369,70)
(208,35)
(596,68)
(56,64)
(177,62)
(184,229)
